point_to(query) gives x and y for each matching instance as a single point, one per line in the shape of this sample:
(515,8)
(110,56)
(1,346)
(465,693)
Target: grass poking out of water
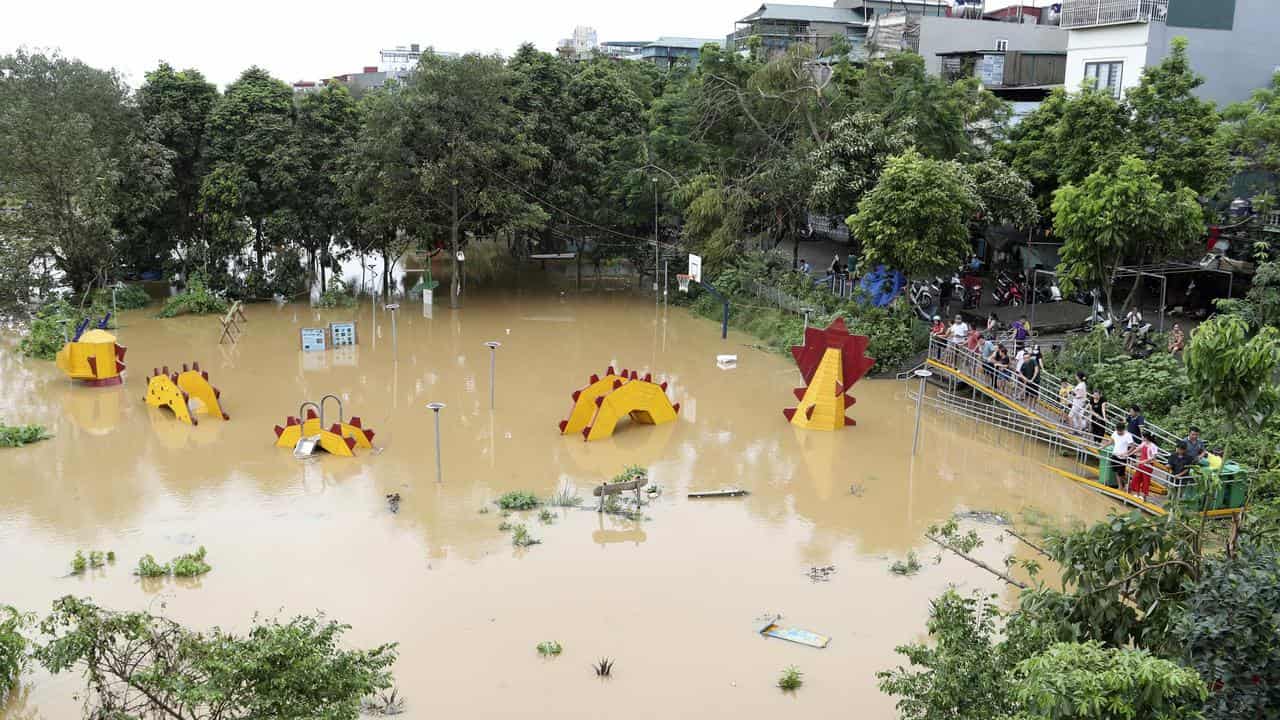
(520,536)
(603,667)
(93,559)
(518,500)
(565,496)
(908,568)
(148,567)
(549,648)
(791,679)
(546,517)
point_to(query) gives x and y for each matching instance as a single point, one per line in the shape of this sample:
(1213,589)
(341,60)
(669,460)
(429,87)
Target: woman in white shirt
(1079,417)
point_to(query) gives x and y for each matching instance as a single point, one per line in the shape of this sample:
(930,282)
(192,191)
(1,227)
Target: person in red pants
(1140,485)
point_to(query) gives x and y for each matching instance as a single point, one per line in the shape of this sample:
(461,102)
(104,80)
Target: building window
(1002,45)
(1107,75)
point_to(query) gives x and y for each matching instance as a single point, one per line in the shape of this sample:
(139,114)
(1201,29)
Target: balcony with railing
(1077,14)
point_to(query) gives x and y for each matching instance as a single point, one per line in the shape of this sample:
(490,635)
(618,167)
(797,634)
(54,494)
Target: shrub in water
(191,565)
(19,435)
(518,500)
(791,678)
(520,537)
(148,567)
(197,299)
(548,648)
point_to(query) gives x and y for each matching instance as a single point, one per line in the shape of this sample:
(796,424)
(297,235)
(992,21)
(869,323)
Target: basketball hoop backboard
(695,267)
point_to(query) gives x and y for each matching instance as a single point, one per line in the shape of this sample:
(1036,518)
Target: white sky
(321,38)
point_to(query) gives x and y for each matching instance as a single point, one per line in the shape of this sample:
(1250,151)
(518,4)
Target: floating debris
(730,492)
(393,502)
(821,574)
(770,628)
(856,489)
(984,516)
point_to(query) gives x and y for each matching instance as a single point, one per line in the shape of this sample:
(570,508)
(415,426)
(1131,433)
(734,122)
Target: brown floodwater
(674,599)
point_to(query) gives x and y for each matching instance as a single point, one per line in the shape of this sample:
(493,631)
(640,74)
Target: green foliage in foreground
(13,648)
(1090,682)
(197,299)
(518,500)
(12,436)
(142,665)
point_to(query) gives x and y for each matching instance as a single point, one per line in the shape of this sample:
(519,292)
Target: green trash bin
(1106,475)
(1235,485)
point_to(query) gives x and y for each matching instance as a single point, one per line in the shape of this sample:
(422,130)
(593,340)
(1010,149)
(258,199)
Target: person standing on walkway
(1122,445)
(939,334)
(1021,332)
(1195,445)
(959,332)
(1098,409)
(1135,421)
(945,293)
(1146,456)
(989,358)
(1031,375)
(1079,403)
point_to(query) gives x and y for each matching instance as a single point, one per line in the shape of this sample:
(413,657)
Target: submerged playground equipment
(830,362)
(93,357)
(599,406)
(186,393)
(307,436)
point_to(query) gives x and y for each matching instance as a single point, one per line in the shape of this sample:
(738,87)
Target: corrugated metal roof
(681,42)
(805,13)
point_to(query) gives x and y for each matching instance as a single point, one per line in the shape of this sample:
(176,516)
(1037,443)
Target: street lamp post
(655,239)
(924,376)
(436,407)
(493,346)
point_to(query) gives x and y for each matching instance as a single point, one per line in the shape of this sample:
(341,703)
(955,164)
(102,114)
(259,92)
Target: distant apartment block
(1230,42)
(666,52)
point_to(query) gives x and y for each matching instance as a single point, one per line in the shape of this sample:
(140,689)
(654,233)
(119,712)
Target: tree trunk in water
(455,283)
(386,276)
(257,243)
(795,253)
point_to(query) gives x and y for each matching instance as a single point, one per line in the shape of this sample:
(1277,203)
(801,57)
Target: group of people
(1017,371)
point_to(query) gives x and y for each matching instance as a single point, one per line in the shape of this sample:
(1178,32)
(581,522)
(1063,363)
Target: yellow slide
(176,391)
(599,406)
(584,400)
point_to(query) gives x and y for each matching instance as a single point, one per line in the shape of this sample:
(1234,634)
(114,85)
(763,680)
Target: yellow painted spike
(584,408)
(162,392)
(357,434)
(828,407)
(334,445)
(290,437)
(194,384)
(645,402)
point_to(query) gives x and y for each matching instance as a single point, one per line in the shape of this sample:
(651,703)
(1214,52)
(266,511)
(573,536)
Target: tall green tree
(1253,128)
(1177,131)
(849,163)
(68,140)
(249,134)
(1119,215)
(916,220)
(175,107)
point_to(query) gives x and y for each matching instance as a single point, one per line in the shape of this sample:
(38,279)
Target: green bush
(129,297)
(13,649)
(518,500)
(19,435)
(1157,384)
(148,567)
(337,296)
(54,323)
(191,565)
(197,299)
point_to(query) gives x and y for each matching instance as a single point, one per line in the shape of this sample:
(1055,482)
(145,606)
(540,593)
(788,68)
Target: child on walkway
(1145,455)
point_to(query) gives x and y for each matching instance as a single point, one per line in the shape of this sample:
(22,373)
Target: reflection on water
(672,597)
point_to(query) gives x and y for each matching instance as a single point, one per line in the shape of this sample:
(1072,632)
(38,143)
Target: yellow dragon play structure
(599,406)
(830,361)
(177,391)
(93,356)
(341,438)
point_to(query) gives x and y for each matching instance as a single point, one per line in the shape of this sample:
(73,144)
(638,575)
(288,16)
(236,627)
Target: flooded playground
(674,598)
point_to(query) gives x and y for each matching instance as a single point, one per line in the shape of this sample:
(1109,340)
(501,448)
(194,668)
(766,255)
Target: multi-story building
(623,49)
(934,37)
(780,26)
(668,51)
(1229,42)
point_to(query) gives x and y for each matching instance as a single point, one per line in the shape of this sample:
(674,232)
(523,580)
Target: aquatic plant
(128,297)
(549,648)
(18,435)
(148,567)
(79,563)
(520,536)
(791,678)
(565,496)
(910,567)
(191,564)
(603,667)
(387,702)
(197,299)
(52,325)
(518,500)
(546,517)
(484,510)
(504,526)
(337,296)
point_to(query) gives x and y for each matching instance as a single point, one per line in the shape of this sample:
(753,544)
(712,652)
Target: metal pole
(655,239)
(1164,293)
(666,269)
(395,345)
(493,346)
(436,407)
(924,376)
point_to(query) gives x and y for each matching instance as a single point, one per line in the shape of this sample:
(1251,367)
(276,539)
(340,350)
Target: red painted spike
(195,420)
(166,369)
(609,371)
(120,351)
(226,416)
(635,375)
(808,412)
(196,366)
(93,366)
(676,407)
(648,377)
(216,392)
(663,386)
(185,368)
(563,424)
(279,431)
(368,435)
(617,384)
(578,393)
(336,429)
(119,367)
(351,443)
(849,401)
(599,401)
(799,393)
(841,389)
(311,413)
(204,375)
(625,373)
(355,422)
(174,378)
(586,433)
(849,422)
(596,378)
(292,421)
(186,397)
(155,372)
(789,413)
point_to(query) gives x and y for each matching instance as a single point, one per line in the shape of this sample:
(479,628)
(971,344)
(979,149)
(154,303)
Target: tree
(67,138)
(1091,682)
(13,648)
(249,132)
(1228,627)
(1178,132)
(1006,195)
(140,665)
(849,163)
(1116,215)
(1253,128)
(327,123)
(174,107)
(916,220)
(462,134)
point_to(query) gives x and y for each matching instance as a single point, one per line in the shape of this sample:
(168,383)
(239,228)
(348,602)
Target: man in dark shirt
(1180,463)
(1135,421)
(1195,446)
